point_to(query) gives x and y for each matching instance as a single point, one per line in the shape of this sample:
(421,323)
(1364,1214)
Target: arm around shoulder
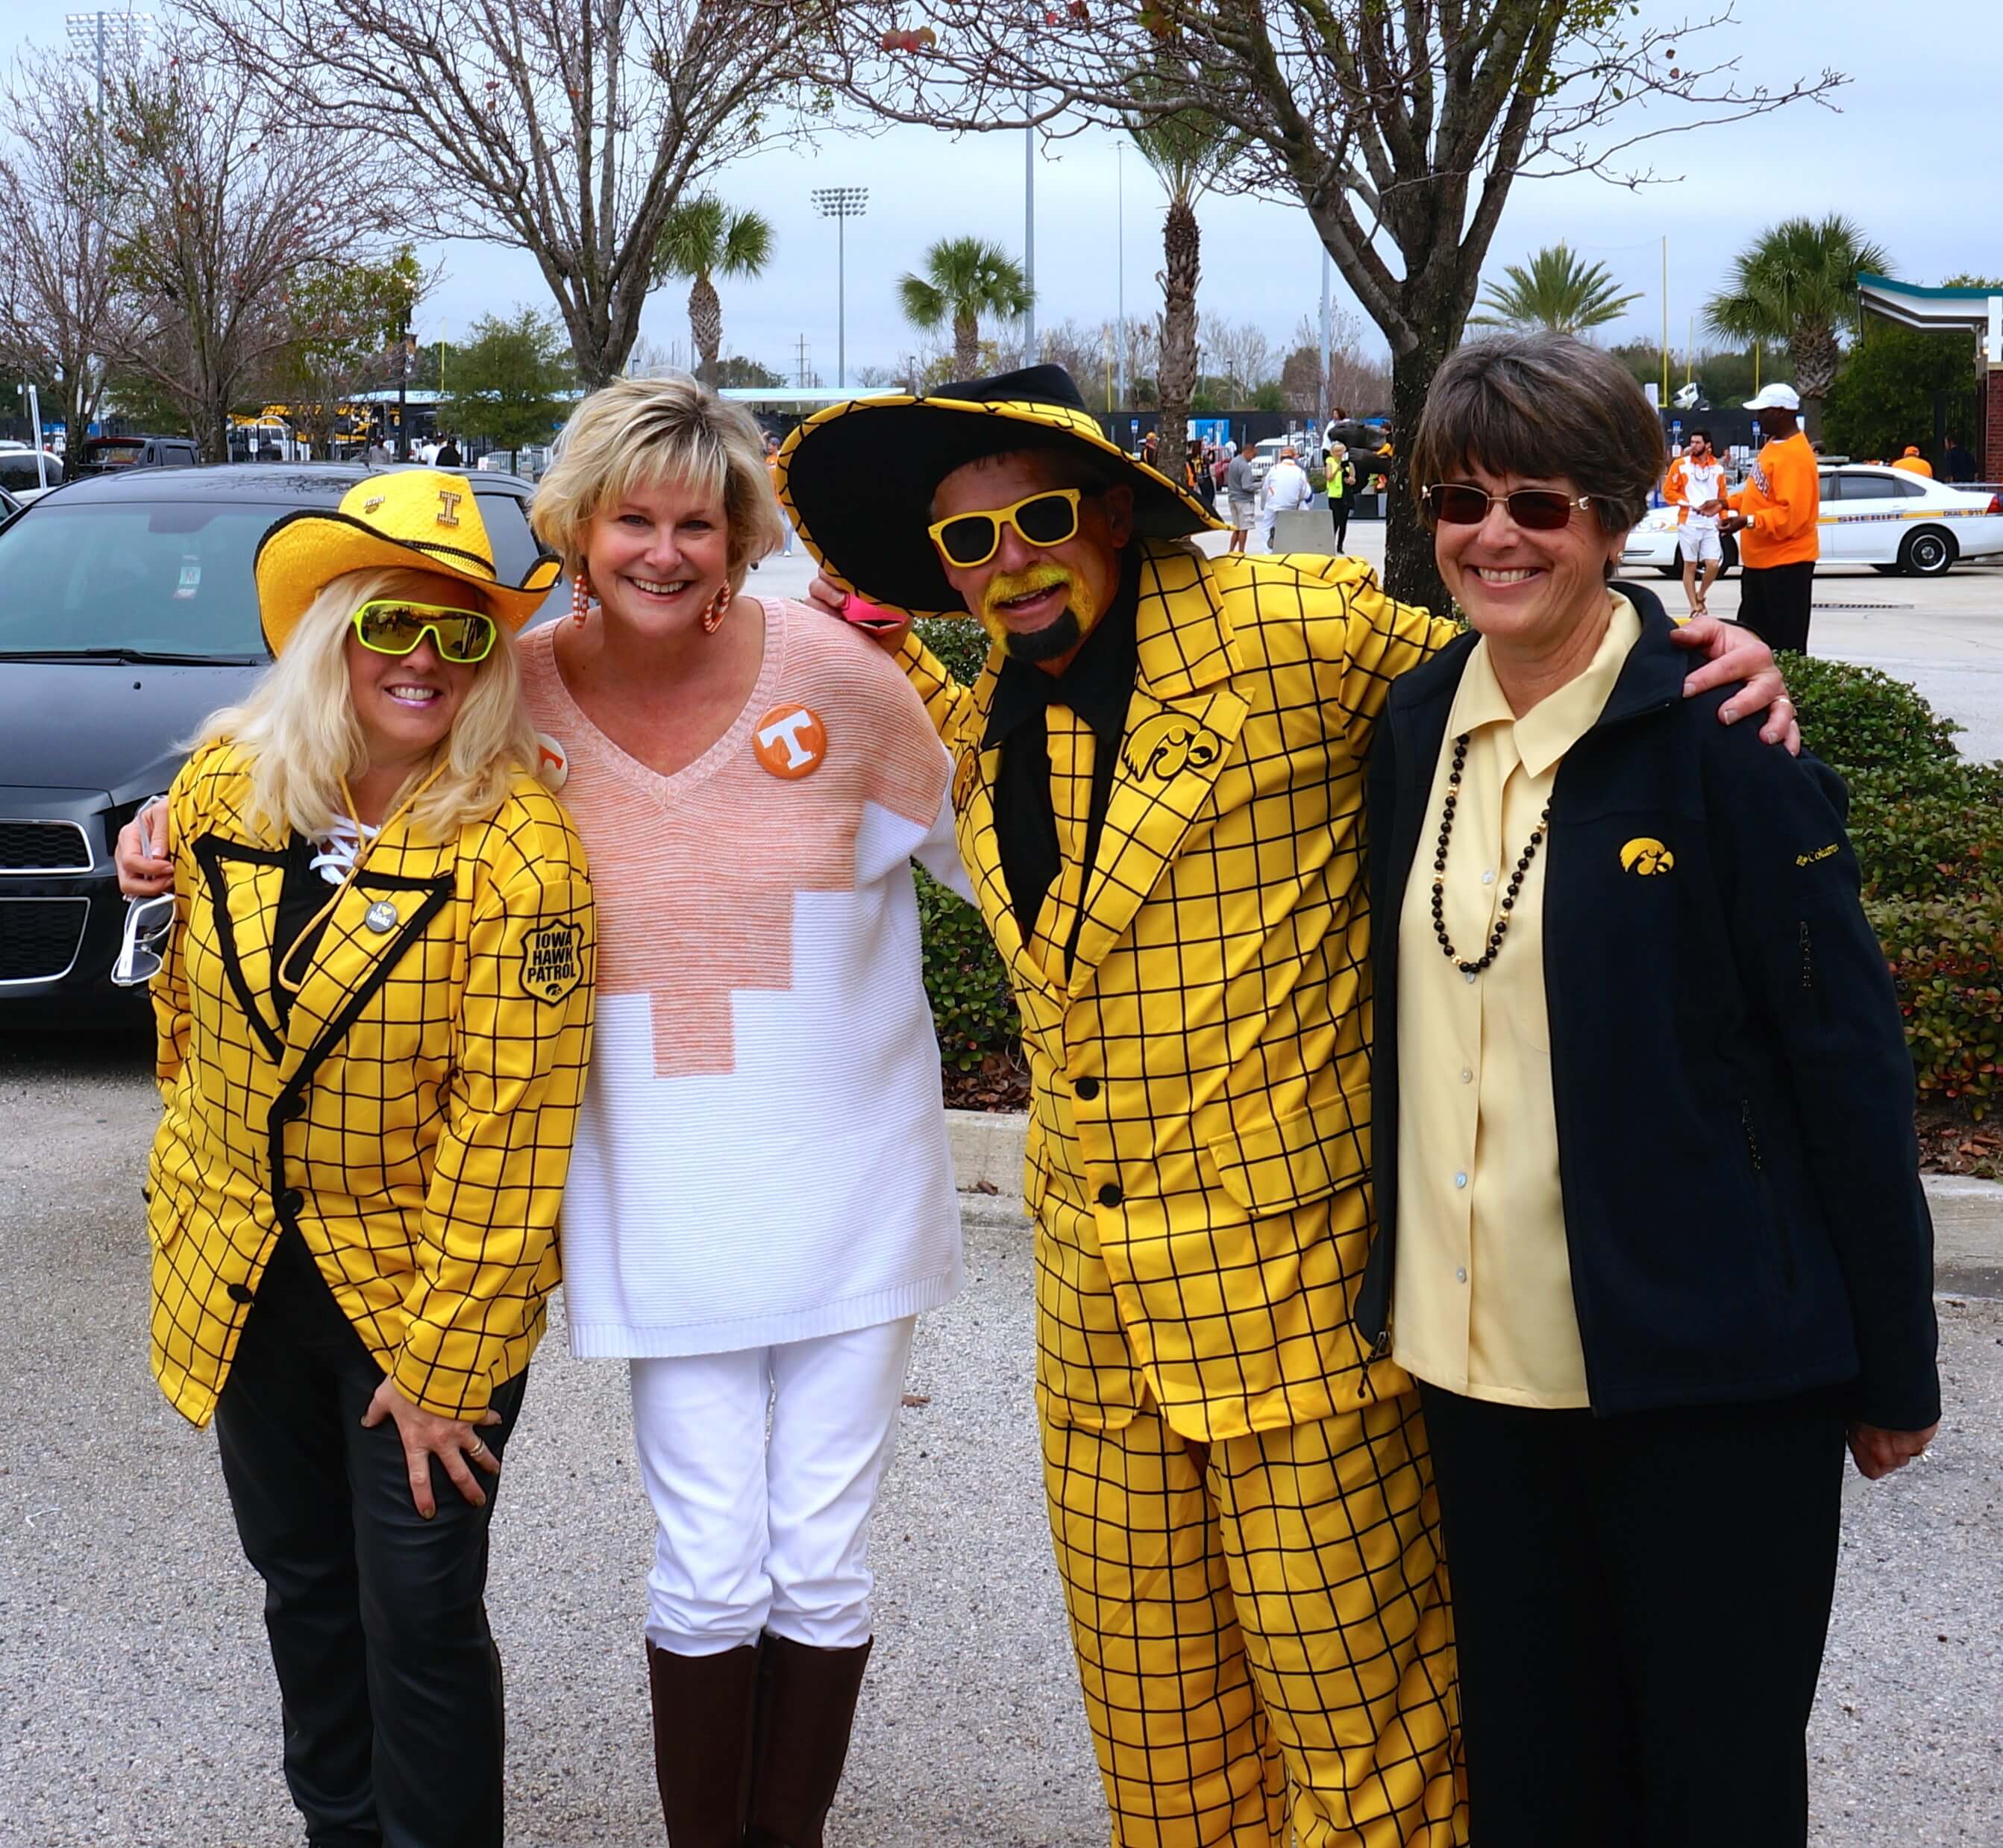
(486,1256)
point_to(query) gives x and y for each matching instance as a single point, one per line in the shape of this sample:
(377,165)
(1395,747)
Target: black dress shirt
(1096,686)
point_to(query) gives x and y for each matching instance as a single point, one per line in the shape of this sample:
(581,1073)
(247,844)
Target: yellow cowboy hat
(858,477)
(414,520)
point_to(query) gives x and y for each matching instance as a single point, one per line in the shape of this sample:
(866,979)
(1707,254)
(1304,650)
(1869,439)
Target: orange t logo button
(791,741)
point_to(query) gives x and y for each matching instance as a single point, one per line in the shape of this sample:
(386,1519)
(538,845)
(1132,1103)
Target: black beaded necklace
(1529,853)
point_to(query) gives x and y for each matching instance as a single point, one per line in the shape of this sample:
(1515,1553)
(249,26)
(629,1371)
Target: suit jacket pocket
(1275,1165)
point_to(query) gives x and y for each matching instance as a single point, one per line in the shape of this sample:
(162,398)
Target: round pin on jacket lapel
(381,917)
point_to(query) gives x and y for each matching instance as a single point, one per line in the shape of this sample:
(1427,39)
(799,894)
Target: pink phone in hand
(865,614)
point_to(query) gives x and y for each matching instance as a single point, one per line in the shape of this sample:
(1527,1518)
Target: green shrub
(1858,718)
(1946,957)
(972,1012)
(1935,833)
(1928,827)
(960,643)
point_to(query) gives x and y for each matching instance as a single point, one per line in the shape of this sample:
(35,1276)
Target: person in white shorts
(1696,484)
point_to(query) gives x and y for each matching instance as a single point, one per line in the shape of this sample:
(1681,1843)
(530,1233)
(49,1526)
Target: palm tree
(705,238)
(1558,293)
(1189,152)
(1797,287)
(964,279)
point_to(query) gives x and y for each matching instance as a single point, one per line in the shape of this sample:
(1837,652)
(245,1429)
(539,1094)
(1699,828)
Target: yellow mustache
(1009,585)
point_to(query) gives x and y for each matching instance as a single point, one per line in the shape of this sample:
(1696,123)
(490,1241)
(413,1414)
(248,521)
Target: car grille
(43,847)
(39,937)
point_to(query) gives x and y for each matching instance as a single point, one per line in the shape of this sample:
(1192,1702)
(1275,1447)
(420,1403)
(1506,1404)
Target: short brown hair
(1543,405)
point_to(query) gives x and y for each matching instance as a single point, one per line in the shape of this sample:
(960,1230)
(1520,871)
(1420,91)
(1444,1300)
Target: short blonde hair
(646,430)
(300,728)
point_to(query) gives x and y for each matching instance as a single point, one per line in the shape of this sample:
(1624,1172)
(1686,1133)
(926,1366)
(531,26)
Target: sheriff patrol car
(1883,517)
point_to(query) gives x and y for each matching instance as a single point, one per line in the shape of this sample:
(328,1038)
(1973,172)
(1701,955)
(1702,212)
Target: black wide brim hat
(858,477)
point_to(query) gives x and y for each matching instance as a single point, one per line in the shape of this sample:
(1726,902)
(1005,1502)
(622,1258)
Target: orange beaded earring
(580,597)
(719,607)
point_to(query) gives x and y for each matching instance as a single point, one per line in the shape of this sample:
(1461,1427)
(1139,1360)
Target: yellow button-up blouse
(1482,1296)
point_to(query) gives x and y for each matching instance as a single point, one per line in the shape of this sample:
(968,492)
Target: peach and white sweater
(761,1156)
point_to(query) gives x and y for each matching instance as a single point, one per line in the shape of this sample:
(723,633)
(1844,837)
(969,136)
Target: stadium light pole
(841,203)
(98,36)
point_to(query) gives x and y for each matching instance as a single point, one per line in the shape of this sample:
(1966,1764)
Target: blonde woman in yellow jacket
(374,1006)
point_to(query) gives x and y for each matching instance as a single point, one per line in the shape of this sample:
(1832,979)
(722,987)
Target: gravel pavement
(137,1706)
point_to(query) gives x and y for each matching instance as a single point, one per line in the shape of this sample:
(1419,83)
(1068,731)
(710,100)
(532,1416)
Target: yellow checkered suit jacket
(1199,1138)
(414,1117)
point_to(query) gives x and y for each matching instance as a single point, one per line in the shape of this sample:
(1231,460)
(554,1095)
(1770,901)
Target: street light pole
(1029,243)
(97,33)
(1120,256)
(1327,346)
(841,203)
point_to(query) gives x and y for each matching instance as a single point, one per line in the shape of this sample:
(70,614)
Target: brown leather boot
(806,1706)
(702,1743)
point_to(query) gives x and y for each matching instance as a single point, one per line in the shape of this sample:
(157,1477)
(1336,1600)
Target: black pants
(387,1670)
(1339,506)
(1640,1605)
(1775,604)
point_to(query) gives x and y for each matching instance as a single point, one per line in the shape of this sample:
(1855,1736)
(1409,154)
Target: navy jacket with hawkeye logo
(1734,1096)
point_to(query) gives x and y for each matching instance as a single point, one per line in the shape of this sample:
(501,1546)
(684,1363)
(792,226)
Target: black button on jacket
(1734,1095)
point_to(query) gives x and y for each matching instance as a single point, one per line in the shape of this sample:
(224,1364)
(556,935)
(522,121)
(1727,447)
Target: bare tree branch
(1401,126)
(212,212)
(54,317)
(565,128)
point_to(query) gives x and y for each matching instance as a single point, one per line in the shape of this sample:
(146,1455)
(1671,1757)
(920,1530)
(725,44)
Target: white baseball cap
(1775,398)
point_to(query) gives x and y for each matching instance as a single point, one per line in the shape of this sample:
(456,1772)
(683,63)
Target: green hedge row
(1927,826)
(972,1011)
(1927,823)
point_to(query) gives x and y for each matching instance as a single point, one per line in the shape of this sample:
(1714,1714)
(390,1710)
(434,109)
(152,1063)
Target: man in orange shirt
(1914,463)
(1775,514)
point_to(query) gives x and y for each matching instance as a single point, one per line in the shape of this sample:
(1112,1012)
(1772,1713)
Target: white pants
(766,1533)
(1699,545)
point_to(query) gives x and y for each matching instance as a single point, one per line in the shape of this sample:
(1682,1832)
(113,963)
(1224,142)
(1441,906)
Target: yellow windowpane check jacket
(414,1117)
(1199,1138)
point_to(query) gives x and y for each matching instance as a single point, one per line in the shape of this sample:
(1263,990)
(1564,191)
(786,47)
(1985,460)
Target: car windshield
(169,578)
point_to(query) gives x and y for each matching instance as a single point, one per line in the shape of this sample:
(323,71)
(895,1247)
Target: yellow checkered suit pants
(1262,1629)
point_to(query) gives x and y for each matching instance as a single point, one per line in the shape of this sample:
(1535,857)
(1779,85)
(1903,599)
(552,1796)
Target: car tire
(1671,572)
(1888,570)
(1927,553)
(1728,546)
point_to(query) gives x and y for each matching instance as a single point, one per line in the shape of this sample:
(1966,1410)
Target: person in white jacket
(1286,487)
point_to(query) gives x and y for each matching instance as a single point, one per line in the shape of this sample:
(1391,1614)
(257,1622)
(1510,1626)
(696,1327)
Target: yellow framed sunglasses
(1048,518)
(392,626)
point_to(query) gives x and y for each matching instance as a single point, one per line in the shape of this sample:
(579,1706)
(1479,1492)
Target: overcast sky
(1908,153)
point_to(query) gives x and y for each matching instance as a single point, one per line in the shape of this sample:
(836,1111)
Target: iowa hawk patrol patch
(552,962)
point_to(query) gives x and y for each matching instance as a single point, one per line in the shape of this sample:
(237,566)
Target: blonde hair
(299,728)
(636,431)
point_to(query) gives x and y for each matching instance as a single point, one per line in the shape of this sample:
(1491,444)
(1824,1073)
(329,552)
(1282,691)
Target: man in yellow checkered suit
(1159,781)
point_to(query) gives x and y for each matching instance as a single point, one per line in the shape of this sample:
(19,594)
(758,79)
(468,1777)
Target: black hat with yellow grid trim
(411,519)
(858,477)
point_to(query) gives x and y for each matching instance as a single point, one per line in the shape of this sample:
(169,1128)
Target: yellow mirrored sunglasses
(392,626)
(1045,519)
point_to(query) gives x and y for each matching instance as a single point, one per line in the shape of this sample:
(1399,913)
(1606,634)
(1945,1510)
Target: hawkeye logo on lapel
(963,780)
(1160,749)
(553,960)
(1644,857)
